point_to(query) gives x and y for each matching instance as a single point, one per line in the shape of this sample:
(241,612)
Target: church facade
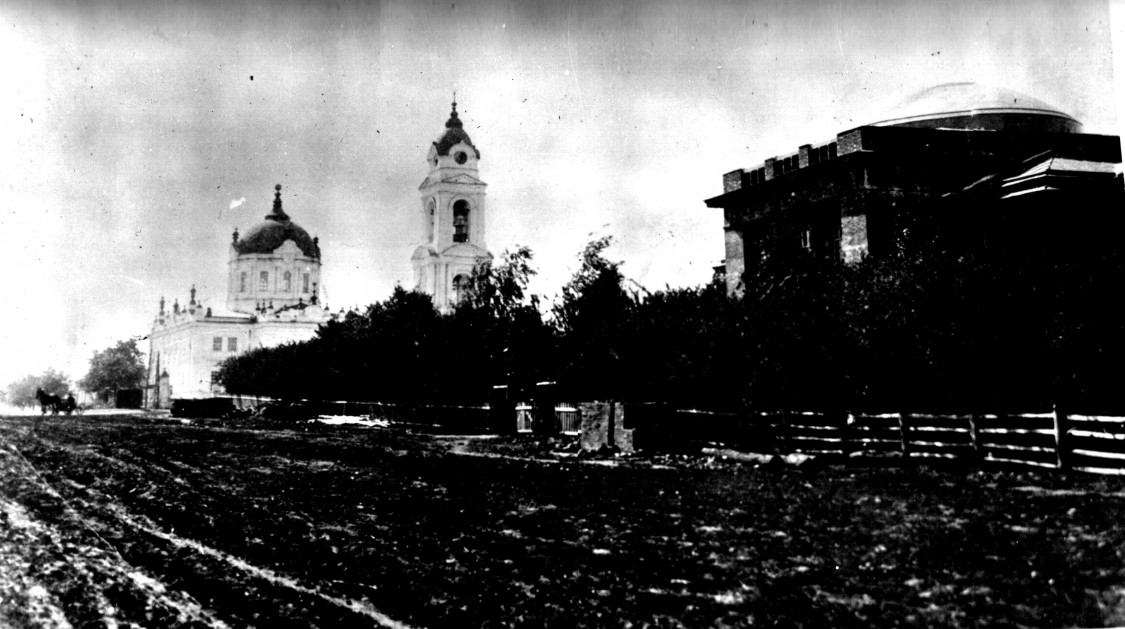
(451,217)
(272,298)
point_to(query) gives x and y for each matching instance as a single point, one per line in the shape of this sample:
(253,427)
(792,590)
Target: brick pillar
(735,251)
(850,142)
(597,425)
(732,181)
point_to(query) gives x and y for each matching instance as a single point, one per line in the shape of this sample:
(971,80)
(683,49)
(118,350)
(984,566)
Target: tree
(498,326)
(591,319)
(685,348)
(281,372)
(22,392)
(389,352)
(501,289)
(115,368)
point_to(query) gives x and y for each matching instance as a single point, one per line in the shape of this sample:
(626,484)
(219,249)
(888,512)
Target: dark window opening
(431,210)
(461,221)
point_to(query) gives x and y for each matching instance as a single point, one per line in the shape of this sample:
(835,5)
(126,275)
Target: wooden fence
(1050,438)
(1054,439)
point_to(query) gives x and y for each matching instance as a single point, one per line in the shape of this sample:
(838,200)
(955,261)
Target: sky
(135,137)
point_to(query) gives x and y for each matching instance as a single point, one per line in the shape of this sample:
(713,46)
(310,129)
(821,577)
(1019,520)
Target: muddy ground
(134,521)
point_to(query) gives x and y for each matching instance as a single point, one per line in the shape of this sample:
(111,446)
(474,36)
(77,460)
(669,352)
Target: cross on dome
(454,133)
(453,121)
(267,236)
(277,214)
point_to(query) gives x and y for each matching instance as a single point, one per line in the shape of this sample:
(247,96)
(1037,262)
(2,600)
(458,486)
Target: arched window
(460,286)
(242,282)
(264,281)
(461,221)
(305,283)
(287,282)
(431,210)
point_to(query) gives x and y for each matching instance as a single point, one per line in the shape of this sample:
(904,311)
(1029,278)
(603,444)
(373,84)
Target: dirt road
(126,522)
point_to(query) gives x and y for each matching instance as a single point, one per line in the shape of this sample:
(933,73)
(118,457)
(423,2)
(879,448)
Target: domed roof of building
(972,106)
(454,133)
(267,236)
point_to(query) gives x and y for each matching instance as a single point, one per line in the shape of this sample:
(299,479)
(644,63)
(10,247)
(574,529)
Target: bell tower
(451,218)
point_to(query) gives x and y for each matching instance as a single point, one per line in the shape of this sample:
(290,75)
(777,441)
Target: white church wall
(274,333)
(188,353)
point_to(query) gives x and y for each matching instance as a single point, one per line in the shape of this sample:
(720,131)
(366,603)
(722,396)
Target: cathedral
(273,278)
(272,298)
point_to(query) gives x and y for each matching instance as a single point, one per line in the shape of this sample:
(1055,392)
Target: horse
(49,401)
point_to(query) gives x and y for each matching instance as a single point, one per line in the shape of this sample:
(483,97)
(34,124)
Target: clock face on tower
(460,157)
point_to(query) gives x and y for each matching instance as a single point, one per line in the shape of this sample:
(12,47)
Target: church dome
(970,106)
(267,236)
(454,134)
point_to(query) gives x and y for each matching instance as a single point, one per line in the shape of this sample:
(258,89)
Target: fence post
(845,434)
(543,410)
(1062,458)
(904,434)
(781,432)
(611,425)
(974,434)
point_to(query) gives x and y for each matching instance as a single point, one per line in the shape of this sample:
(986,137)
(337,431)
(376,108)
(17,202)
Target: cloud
(131,279)
(237,202)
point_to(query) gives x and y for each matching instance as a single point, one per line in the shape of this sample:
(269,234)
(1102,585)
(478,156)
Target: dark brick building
(979,167)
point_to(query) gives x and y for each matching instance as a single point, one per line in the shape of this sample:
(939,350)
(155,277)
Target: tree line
(120,366)
(936,327)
